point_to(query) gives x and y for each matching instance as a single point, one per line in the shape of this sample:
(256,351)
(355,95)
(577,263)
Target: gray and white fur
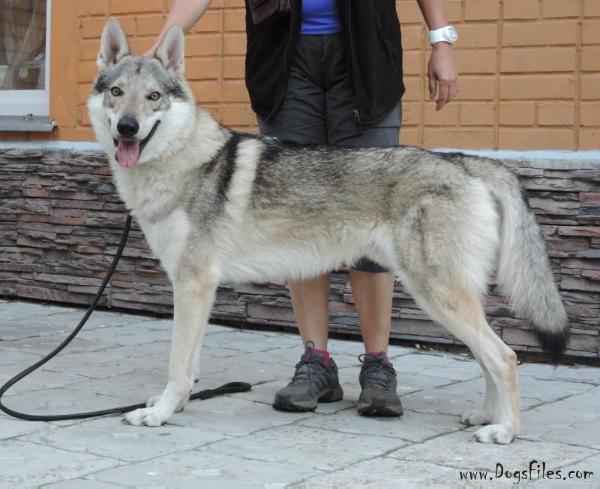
(216,205)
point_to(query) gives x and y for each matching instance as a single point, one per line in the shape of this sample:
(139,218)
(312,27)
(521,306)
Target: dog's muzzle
(128,150)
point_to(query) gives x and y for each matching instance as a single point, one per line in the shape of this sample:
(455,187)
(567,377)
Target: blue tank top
(320,17)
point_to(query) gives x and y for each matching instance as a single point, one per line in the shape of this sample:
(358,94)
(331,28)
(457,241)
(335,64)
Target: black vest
(374,51)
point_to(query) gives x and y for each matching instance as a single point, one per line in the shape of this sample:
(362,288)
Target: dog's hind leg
(193,300)
(460,311)
(485,414)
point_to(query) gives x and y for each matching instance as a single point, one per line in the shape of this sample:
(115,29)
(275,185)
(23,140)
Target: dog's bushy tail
(524,272)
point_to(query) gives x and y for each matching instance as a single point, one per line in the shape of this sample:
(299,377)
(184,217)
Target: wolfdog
(217,205)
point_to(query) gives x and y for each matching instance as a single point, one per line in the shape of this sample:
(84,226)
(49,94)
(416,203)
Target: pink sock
(324,354)
(376,354)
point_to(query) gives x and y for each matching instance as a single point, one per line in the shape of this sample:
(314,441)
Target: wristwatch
(445,34)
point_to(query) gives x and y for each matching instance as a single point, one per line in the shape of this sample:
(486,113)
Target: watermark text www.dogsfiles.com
(536,470)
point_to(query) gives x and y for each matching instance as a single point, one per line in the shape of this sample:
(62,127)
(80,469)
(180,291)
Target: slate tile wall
(61,222)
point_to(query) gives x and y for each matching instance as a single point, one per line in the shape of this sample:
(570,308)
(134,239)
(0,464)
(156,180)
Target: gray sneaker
(378,381)
(313,382)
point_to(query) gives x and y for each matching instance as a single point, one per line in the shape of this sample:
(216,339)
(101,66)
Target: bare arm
(184,13)
(443,77)
(433,13)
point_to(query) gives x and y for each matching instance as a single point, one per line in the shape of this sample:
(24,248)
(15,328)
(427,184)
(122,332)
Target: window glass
(22,44)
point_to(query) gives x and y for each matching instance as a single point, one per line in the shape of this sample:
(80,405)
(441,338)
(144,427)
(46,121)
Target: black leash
(229,388)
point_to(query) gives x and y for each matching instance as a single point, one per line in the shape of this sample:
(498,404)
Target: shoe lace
(306,366)
(378,372)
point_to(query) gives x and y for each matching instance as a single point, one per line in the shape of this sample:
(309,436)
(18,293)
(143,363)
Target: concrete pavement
(240,441)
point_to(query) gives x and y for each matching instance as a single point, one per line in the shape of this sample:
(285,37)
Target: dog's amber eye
(154,96)
(116,92)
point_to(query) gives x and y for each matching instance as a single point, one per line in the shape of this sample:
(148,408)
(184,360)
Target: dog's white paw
(495,433)
(475,417)
(154,400)
(145,417)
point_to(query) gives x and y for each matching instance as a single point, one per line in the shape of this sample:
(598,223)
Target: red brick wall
(530,76)
(530,69)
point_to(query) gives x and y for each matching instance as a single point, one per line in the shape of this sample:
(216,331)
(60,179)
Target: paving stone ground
(239,441)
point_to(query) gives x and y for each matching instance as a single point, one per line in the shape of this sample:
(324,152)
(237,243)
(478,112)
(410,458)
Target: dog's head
(140,106)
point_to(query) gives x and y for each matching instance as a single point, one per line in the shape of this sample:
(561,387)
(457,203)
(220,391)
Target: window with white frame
(24,60)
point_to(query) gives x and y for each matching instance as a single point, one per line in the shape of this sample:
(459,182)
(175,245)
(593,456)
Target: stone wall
(61,222)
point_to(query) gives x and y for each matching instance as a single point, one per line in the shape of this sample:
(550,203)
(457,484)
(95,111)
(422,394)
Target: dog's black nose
(128,126)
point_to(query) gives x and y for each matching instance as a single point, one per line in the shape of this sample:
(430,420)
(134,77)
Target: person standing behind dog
(330,72)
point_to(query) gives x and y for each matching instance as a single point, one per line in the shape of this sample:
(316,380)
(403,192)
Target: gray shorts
(318,107)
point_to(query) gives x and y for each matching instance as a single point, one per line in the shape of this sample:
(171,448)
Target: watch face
(452,34)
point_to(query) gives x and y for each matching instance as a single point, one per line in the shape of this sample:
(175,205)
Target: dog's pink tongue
(128,153)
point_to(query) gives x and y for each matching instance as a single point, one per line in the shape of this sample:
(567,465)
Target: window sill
(26,124)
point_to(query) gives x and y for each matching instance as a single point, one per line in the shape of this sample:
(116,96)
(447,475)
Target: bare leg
(310,299)
(193,300)
(373,300)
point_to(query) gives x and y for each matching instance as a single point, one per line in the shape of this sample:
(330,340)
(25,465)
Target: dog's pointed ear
(170,50)
(113,45)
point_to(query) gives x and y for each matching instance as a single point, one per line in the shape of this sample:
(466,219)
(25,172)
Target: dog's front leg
(193,300)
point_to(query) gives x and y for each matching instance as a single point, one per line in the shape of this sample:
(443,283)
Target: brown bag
(268,10)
